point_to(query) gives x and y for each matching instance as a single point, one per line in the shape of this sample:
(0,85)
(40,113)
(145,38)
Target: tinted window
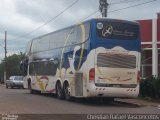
(61,38)
(79,32)
(117,30)
(18,77)
(43,68)
(49,42)
(57,39)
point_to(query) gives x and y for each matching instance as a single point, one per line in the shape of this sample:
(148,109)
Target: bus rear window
(117,30)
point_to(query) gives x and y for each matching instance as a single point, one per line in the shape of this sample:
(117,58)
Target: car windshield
(19,78)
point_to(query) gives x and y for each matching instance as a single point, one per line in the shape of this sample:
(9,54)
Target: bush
(157,87)
(150,87)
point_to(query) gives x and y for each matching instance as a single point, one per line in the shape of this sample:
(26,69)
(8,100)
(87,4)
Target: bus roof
(90,20)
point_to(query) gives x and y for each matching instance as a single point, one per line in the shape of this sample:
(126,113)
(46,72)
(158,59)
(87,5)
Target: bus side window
(49,68)
(31,69)
(57,39)
(52,68)
(79,32)
(71,34)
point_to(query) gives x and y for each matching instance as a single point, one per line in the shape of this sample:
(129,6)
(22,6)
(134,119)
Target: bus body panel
(117,65)
(114,92)
(71,61)
(122,68)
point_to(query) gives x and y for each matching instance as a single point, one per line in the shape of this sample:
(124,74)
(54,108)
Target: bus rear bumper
(94,91)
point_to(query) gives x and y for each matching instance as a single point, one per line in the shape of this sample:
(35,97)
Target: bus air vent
(116,61)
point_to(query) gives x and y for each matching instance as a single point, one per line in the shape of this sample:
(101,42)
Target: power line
(90,15)
(53,19)
(77,23)
(147,59)
(123,1)
(22,48)
(118,2)
(109,4)
(132,6)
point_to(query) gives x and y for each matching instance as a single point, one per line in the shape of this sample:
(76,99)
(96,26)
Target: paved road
(18,101)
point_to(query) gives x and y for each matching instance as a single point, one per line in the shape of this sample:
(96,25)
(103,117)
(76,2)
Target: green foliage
(12,64)
(150,87)
(157,87)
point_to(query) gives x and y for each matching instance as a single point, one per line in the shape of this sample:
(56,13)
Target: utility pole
(103,7)
(5,64)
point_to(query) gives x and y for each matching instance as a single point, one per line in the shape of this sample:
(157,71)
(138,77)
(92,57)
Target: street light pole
(5,64)
(103,7)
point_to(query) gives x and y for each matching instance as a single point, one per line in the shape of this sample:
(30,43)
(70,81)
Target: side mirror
(21,66)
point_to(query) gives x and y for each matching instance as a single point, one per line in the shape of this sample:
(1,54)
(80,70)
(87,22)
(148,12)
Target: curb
(139,102)
(130,102)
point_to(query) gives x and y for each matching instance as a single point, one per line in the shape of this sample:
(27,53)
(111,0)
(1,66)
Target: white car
(15,81)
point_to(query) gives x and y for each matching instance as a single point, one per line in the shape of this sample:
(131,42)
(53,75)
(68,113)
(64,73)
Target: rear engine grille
(116,60)
(117,85)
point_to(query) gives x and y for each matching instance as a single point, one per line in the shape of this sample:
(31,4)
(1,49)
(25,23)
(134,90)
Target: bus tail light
(92,74)
(138,77)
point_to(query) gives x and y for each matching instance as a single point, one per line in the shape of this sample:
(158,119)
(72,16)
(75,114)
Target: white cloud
(20,17)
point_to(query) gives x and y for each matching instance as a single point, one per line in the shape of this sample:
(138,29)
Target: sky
(21,18)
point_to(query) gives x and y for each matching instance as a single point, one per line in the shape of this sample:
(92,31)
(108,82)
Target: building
(150,41)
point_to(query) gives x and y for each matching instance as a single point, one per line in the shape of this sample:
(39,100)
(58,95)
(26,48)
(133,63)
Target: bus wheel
(108,100)
(30,87)
(59,91)
(67,92)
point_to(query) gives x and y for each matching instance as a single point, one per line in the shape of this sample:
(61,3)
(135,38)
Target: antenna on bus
(103,7)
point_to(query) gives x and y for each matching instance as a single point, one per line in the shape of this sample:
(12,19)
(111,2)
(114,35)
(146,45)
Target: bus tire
(108,100)
(30,87)
(59,92)
(67,92)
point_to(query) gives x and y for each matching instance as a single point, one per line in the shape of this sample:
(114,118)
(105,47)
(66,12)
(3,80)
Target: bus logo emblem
(99,26)
(107,31)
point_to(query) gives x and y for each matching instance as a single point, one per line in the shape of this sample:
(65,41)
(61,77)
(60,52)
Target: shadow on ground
(103,102)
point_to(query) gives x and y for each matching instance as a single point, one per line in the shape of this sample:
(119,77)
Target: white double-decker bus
(97,58)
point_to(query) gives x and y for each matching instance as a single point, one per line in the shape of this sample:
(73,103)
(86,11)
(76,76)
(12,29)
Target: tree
(13,65)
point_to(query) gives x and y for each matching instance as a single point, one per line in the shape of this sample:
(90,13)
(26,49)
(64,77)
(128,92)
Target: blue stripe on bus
(131,45)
